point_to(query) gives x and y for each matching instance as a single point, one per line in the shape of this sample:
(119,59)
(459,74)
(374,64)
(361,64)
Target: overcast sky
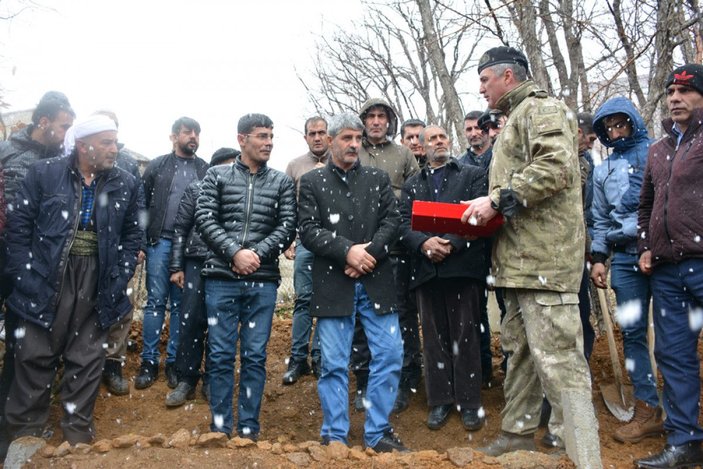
(152,61)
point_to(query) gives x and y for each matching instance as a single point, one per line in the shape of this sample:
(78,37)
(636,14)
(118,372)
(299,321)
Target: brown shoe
(647,421)
(508,442)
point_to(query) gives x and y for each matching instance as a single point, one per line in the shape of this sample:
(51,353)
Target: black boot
(183,392)
(147,375)
(296,369)
(112,377)
(171,375)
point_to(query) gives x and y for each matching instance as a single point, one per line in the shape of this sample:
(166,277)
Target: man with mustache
(479,151)
(70,280)
(616,190)
(378,150)
(671,251)
(348,218)
(165,180)
(448,276)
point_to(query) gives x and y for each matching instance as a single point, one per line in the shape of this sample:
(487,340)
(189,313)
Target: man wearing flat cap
(534,181)
(72,240)
(671,252)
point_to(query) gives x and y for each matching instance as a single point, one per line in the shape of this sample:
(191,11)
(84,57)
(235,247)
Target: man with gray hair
(534,182)
(349,236)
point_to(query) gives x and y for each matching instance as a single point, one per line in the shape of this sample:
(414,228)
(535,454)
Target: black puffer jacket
(240,210)
(17,155)
(186,240)
(468,258)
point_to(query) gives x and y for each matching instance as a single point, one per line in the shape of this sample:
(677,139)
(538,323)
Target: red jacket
(671,200)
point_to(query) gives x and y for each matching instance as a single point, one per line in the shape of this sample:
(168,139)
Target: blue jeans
(302,322)
(159,291)
(336,333)
(632,291)
(678,298)
(238,309)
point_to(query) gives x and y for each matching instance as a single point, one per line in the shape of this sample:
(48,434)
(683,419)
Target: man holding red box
(538,253)
(448,276)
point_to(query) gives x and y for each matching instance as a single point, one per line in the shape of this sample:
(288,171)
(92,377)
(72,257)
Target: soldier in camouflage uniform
(538,253)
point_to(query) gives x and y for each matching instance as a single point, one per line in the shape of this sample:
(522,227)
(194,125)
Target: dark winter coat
(17,155)
(468,258)
(41,230)
(338,210)
(237,210)
(470,159)
(671,225)
(186,240)
(158,179)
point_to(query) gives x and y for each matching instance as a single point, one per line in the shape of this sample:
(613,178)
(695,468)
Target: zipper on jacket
(666,194)
(247,211)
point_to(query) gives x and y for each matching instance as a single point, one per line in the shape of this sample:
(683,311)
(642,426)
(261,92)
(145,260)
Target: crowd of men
(76,218)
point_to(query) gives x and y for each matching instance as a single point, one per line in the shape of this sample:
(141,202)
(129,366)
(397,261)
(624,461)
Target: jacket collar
(693,126)
(239,164)
(452,164)
(510,100)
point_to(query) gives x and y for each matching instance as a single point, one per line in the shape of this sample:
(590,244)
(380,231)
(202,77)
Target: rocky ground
(139,431)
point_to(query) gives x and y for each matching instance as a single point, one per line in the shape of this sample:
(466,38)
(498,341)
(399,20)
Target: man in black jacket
(165,180)
(246,216)
(188,255)
(448,274)
(349,219)
(70,280)
(40,140)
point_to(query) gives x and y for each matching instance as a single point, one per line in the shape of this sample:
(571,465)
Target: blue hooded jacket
(617,182)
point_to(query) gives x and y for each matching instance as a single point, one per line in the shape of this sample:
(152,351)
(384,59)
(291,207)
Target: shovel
(618,397)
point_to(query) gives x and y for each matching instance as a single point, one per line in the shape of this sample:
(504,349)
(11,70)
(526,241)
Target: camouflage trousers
(541,333)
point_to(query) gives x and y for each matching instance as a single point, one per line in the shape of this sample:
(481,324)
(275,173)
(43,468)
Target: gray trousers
(76,338)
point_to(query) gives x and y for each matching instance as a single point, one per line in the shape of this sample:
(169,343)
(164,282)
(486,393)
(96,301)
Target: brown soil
(291,416)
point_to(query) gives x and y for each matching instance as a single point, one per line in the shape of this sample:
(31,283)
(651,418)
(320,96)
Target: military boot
(647,421)
(112,377)
(508,442)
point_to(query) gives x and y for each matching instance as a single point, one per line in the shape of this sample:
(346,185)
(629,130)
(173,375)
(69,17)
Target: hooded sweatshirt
(617,182)
(397,160)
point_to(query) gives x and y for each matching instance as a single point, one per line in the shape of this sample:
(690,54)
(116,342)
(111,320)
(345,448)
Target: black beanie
(690,75)
(223,154)
(502,55)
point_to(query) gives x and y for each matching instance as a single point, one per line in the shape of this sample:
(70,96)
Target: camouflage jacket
(535,160)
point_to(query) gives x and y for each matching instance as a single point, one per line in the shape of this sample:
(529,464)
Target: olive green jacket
(535,160)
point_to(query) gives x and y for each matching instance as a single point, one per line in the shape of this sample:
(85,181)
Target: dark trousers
(409,329)
(77,338)
(485,337)
(193,327)
(450,310)
(677,291)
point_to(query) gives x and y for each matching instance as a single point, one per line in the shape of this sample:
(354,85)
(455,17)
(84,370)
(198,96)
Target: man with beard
(40,140)
(348,218)
(165,180)
(70,280)
(448,276)
(478,153)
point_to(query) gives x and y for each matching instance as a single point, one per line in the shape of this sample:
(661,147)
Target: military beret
(222,155)
(690,75)
(502,55)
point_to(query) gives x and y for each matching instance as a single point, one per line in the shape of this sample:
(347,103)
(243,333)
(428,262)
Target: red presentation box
(440,217)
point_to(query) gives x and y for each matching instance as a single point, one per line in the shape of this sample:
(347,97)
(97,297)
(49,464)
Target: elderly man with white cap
(72,238)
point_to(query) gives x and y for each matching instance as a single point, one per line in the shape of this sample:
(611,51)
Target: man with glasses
(616,190)
(246,214)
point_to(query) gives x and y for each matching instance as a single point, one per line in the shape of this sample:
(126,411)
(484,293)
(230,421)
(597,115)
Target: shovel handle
(608,322)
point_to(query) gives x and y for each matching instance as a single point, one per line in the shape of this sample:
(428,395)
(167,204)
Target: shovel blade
(620,401)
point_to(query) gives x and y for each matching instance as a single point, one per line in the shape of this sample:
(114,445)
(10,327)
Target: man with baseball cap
(72,245)
(671,252)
